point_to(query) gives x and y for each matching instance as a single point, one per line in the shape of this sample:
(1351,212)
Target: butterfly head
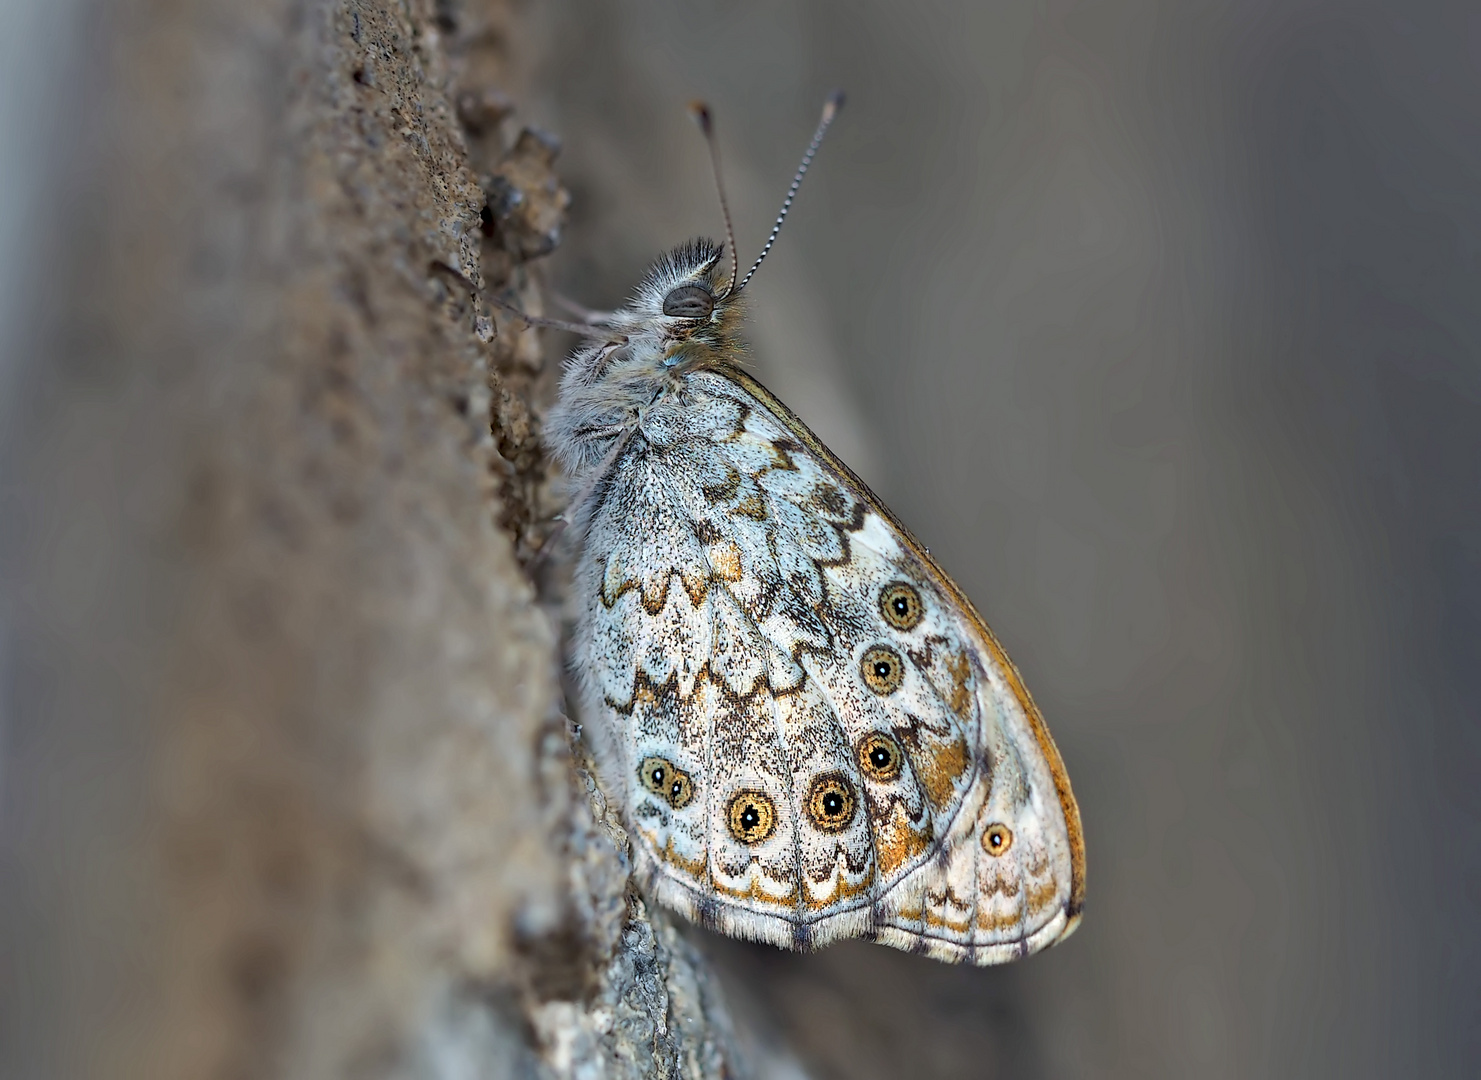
(685,310)
(684,317)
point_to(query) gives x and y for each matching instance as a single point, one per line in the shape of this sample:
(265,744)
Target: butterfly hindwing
(816,735)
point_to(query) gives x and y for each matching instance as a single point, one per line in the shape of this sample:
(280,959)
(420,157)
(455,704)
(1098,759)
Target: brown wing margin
(1067,803)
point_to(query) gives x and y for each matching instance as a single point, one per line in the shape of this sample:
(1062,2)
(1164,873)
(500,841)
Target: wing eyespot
(831,802)
(751,816)
(882,669)
(880,757)
(997,838)
(901,605)
(670,783)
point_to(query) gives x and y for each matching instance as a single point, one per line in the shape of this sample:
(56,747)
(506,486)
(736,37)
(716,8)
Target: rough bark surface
(287,783)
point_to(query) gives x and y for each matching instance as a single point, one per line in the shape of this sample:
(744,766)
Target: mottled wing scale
(817,736)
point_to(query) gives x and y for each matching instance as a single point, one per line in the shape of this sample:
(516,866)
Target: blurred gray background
(1158,322)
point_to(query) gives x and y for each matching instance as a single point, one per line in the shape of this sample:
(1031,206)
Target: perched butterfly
(811,732)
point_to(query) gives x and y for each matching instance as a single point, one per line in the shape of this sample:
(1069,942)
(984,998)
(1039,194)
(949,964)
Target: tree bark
(287,782)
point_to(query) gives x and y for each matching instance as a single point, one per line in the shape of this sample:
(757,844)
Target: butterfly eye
(882,669)
(901,606)
(880,757)
(831,802)
(689,302)
(666,780)
(751,816)
(997,838)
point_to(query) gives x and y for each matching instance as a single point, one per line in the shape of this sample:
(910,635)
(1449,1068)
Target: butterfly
(811,732)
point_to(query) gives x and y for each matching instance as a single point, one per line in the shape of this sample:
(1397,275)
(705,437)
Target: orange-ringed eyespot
(831,802)
(751,816)
(882,669)
(666,780)
(900,604)
(997,838)
(880,757)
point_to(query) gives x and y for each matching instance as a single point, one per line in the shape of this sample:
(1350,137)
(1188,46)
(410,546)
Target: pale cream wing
(1009,877)
(816,736)
(697,612)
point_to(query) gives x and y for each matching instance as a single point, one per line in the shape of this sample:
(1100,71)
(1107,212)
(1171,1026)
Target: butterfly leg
(587,315)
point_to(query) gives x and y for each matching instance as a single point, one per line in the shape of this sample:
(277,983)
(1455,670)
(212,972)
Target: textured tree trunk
(287,786)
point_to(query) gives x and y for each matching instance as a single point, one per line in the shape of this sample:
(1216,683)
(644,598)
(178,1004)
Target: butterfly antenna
(701,113)
(830,110)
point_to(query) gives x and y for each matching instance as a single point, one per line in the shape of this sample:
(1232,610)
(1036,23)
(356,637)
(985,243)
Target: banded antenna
(830,110)
(706,124)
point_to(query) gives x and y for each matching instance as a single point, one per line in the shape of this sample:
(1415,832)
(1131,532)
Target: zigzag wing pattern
(815,736)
